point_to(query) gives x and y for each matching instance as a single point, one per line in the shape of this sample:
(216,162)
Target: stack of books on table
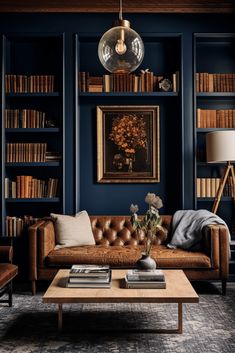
(145,279)
(89,276)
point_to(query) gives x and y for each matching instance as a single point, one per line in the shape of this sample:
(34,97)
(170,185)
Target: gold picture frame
(128,144)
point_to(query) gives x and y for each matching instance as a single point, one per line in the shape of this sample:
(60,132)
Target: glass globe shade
(121,50)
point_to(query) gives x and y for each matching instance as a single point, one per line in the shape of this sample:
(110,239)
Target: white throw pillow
(73,231)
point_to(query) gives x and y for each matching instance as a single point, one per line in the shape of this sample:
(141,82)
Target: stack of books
(145,279)
(89,276)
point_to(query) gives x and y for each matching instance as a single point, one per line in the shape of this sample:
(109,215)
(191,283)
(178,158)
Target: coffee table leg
(60,317)
(180,318)
(179,329)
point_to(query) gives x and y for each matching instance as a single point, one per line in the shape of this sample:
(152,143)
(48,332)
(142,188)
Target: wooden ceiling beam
(112,6)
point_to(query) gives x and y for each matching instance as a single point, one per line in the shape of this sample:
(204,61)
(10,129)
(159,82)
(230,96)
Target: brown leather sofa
(7,272)
(118,245)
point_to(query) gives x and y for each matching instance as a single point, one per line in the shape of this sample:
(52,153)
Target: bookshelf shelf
(34,164)
(129,94)
(36,130)
(32,95)
(212,129)
(205,164)
(216,95)
(206,199)
(45,199)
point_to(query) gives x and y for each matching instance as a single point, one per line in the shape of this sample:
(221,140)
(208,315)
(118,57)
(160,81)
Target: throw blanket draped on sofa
(187,228)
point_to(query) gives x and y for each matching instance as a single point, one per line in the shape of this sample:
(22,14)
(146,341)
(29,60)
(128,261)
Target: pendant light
(121,49)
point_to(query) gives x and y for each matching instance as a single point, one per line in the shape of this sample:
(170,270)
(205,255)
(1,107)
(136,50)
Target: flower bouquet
(151,225)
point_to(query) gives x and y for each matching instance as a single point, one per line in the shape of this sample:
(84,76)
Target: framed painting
(128,147)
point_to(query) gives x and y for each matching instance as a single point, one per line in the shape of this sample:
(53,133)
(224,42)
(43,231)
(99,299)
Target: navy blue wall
(177,192)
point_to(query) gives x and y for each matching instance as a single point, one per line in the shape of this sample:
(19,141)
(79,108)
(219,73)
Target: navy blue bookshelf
(159,50)
(213,53)
(45,56)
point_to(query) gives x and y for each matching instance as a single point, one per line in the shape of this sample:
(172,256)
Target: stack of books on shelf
(89,276)
(145,279)
(215,82)
(208,187)
(212,118)
(15,226)
(26,186)
(24,118)
(29,84)
(146,81)
(26,152)
(53,156)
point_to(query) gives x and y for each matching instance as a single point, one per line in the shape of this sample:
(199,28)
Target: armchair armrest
(46,241)
(216,243)
(6,253)
(33,232)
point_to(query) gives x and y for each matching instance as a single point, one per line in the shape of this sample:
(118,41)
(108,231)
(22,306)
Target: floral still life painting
(128,144)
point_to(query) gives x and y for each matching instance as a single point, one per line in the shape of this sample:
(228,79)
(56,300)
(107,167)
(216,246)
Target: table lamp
(220,147)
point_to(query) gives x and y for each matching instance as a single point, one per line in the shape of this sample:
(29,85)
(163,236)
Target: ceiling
(140,6)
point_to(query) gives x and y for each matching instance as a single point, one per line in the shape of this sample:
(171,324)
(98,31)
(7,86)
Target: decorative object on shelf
(121,49)
(128,144)
(50,123)
(151,226)
(220,147)
(165,85)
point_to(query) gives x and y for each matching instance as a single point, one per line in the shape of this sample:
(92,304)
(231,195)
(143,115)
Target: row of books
(24,118)
(15,225)
(211,118)
(208,187)
(89,276)
(26,152)
(206,82)
(25,186)
(146,81)
(145,279)
(29,84)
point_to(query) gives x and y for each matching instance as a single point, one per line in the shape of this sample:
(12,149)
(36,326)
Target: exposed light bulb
(120,47)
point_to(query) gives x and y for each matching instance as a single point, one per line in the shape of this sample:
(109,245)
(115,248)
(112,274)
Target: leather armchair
(7,272)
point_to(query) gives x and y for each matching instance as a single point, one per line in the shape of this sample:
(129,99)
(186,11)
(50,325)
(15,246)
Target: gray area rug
(31,326)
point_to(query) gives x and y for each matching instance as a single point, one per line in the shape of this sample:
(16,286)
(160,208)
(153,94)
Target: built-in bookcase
(32,125)
(214,110)
(159,51)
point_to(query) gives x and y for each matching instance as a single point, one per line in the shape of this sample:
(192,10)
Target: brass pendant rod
(120,10)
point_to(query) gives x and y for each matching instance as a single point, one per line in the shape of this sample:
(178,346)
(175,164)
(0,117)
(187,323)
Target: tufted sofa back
(118,231)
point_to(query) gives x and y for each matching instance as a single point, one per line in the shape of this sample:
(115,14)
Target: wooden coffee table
(178,290)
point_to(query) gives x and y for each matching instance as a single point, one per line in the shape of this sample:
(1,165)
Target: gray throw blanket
(187,228)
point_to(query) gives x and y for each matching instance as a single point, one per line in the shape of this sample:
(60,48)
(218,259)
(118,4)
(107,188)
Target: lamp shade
(220,146)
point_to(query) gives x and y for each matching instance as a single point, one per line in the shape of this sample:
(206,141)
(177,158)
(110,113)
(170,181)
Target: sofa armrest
(33,235)
(216,244)
(6,254)
(46,241)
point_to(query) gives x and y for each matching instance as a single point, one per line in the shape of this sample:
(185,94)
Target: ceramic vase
(146,263)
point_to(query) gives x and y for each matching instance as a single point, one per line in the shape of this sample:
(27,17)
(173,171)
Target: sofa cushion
(73,231)
(126,256)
